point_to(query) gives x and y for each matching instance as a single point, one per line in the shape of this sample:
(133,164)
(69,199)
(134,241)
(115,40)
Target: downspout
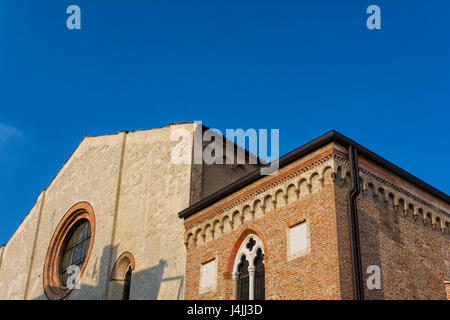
(358,285)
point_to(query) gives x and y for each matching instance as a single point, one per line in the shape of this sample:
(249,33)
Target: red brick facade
(403,230)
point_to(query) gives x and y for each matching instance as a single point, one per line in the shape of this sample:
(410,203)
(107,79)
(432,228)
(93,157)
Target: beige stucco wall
(217,175)
(222,172)
(153,191)
(91,174)
(1,255)
(16,257)
(136,192)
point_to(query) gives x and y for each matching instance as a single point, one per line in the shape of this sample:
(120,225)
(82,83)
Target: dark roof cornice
(331,136)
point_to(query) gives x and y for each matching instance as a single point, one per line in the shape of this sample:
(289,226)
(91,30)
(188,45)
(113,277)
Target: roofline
(140,130)
(109,134)
(70,156)
(204,127)
(259,162)
(296,154)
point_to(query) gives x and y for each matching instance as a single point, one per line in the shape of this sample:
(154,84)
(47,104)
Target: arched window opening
(243,282)
(127,285)
(259,276)
(249,270)
(121,277)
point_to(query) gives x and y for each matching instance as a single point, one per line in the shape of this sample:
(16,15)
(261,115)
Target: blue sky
(305,67)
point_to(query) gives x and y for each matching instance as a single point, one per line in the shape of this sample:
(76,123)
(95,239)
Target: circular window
(75,249)
(69,250)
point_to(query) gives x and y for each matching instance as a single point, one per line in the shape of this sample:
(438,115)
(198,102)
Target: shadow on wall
(370,253)
(145,284)
(370,249)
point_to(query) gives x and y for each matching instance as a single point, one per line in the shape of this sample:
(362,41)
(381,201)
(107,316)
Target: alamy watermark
(212,147)
(73,282)
(374,280)
(74,20)
(374,20)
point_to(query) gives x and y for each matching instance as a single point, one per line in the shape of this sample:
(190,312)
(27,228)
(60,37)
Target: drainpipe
(358,284)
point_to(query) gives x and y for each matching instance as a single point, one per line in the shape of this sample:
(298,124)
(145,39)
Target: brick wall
(412,252)
(447,289)
(411,249)
(411,255)
(315,275)
(312,276)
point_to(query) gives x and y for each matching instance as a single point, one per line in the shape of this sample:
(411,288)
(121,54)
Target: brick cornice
(331,166)
(259,188)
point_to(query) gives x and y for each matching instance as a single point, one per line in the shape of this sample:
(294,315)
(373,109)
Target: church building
(121,220)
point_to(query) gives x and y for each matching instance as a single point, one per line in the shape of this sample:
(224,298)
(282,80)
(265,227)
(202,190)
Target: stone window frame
(124,264)
(120,268)
(250,255)
(211,288)
(53,288)
(301,253)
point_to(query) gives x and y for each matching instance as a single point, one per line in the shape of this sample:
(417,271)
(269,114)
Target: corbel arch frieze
(402,202)
(333,169)
(272,197)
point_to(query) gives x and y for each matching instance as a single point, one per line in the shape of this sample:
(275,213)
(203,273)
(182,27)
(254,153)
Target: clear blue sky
(305,67)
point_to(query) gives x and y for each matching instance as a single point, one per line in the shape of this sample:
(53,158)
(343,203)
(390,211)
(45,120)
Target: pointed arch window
(243,279)
(260,289)
(249,270)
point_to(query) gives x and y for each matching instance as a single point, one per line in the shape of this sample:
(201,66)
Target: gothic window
(243,282)
(259,276)
(249,270)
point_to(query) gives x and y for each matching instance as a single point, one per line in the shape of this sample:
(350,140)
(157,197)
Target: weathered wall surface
(91,174)
(16,257)
(136,192)
(406,232)
(153,191)
(216,176)
(403,230)
(1,254)
(209,178)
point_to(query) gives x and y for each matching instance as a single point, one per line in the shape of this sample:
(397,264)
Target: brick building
(335,222)
(318,230)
